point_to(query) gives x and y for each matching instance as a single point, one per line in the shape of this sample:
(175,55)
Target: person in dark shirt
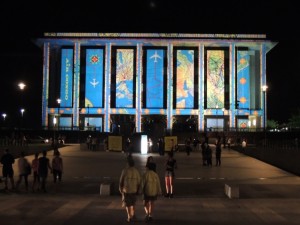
(7,160)
(44,165)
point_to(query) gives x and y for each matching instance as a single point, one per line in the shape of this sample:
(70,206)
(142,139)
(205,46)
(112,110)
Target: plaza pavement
(268,195)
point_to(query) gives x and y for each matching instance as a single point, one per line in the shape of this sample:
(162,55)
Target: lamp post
(4,116)
(264,89)
(58,114)
(22,114)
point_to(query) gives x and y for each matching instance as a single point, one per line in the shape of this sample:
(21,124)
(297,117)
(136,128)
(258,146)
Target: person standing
(218,152)
(129,185)
(35,168)
(23,166)
(170,165)
(150,188)
(44,166)
(57,167)
(7,160)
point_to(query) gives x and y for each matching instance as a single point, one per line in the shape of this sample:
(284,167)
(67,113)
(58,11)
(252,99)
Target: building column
(170,89)
(76,85)
(232,110)
(201,89)
(106,119)
(45,122)
(139,89)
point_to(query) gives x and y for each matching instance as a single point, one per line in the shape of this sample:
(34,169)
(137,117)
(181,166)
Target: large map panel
(243,79)
(66,83)
(215,79)
(94,78)
(124,78)
(155,78)
(185,79)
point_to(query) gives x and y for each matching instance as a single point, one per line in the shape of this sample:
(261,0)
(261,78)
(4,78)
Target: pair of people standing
(56,168)
(131,183)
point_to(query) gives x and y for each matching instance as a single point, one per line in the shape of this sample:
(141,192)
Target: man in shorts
(129,184)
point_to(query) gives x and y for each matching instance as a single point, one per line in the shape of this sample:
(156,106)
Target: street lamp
(264,89)
(22,86)
(58,118)
(22,113)
(4,116)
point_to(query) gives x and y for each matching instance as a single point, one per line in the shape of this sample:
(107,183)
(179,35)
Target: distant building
(120,81)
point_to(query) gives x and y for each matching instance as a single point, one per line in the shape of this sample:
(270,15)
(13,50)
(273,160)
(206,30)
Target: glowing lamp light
(144,144)
(4,116)
(54,121)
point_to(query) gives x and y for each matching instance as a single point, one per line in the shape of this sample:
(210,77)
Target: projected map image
(243,77)
(124,78)
(215,79)
(185,79)
(154,79)
(94,78)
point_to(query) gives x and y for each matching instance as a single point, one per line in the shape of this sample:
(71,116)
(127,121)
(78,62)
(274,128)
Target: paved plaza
(267,195)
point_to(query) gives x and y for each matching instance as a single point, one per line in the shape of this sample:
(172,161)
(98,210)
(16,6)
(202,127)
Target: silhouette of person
(7,160)
(44,167)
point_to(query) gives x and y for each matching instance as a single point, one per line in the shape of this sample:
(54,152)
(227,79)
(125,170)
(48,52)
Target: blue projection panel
(94,121)
(185,79)
(66,78)
(155,79)
(94,78)
(243,79)
(124,78)
(65,121)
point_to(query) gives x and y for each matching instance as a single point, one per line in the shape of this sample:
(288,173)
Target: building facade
(107,80)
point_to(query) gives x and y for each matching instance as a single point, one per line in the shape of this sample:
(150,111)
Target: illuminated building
(216,79)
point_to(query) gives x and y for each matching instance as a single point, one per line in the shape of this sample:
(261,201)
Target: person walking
(57,167)
(150,161)
(129,185)
(35,169)
(24,170)
(150,188)
(218,152)
(7,160)
(170,166)
(44,167)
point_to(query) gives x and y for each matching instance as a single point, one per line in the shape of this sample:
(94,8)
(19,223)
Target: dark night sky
(21,60)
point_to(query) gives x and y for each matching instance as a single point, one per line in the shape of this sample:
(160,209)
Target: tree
(272,124)
(294,121)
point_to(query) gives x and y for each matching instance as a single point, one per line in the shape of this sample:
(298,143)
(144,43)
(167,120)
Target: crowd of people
(39,168)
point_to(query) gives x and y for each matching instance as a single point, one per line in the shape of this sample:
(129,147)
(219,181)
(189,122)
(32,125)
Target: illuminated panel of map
(154,79)
(185,79)
(243,79)
(215,79)
(242,123)
(66,78)
(124,78)
(94,78)
(65,121)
